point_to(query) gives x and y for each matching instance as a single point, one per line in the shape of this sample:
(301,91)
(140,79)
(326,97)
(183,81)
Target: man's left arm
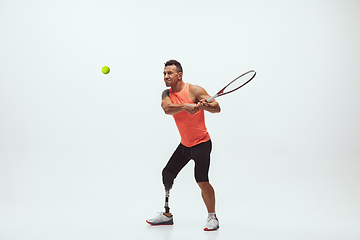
(201,95)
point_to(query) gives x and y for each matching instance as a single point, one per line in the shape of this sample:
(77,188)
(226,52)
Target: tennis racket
(235,84)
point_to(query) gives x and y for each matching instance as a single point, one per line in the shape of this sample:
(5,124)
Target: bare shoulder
(197,93)
(196,90)
(165,93)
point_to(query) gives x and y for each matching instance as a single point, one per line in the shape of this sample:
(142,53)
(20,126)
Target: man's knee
(205,186)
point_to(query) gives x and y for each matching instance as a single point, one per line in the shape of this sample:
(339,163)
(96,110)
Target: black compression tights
(182,155)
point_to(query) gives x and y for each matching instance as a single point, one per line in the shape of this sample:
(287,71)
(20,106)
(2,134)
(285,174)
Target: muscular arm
(201,95)
(171,108)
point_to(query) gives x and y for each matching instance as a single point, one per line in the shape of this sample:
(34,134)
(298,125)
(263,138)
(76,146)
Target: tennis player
(186,103)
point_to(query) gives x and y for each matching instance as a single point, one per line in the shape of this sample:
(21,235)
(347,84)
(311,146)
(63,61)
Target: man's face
(171,76)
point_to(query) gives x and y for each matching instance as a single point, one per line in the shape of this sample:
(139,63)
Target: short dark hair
(176,63)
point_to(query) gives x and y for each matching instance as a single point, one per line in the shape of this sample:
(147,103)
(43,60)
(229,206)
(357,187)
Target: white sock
(212,215)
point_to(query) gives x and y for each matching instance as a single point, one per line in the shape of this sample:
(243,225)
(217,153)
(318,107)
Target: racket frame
(221,92)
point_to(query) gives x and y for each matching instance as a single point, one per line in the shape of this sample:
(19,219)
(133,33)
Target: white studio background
(81,152)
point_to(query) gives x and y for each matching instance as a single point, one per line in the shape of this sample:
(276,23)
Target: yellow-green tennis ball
(105,70)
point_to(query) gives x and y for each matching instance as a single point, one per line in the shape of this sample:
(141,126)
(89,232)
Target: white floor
(114,222)
(113,203)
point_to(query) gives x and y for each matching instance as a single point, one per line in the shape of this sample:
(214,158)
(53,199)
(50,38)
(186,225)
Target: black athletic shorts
(199,153)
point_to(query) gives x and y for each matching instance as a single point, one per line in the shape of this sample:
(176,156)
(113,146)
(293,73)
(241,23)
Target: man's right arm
(171,108)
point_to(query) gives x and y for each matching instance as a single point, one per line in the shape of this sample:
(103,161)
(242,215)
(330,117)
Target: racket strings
(239,82)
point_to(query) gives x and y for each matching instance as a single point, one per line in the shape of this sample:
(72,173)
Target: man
(186,103)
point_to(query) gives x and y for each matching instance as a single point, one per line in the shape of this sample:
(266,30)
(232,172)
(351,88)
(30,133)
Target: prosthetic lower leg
(167,195)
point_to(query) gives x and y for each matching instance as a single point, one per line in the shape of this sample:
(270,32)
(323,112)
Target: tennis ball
(105,70)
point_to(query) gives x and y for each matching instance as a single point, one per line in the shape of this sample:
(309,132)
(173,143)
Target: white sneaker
(160,219)
(212,224)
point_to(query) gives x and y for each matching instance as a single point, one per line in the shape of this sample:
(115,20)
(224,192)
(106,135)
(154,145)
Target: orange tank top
(191,127)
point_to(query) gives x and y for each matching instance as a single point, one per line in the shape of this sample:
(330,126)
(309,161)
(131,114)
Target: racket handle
(211,98)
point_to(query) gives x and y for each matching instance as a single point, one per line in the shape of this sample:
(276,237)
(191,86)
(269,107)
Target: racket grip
(211,98)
